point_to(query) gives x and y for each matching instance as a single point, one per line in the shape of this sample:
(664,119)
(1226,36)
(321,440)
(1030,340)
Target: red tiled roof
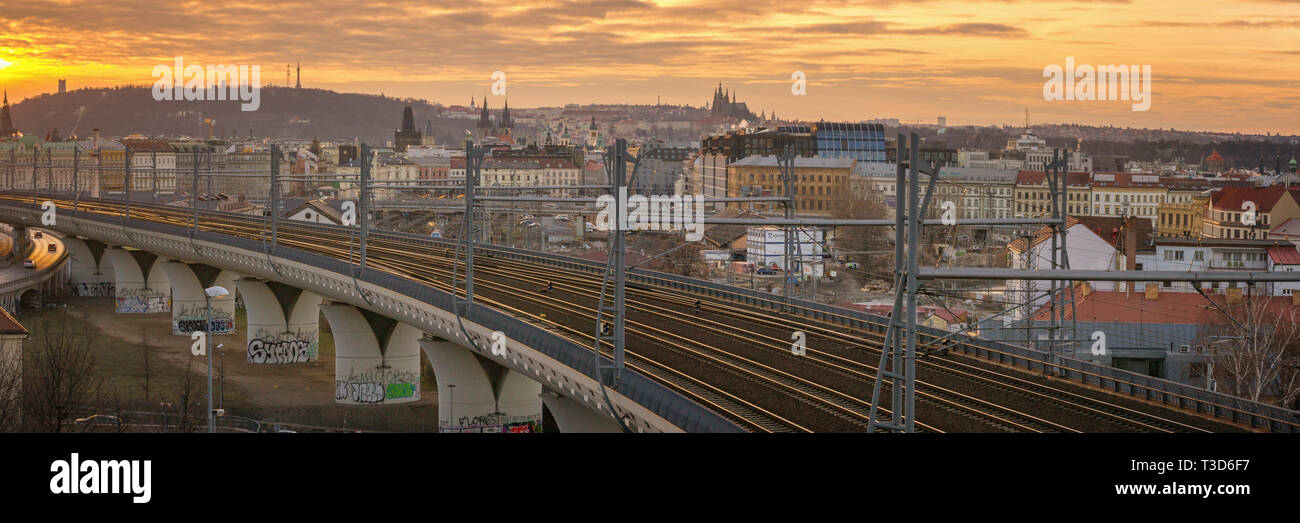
(1284,255)
(1231,198)
(1169,307)
(1214,156)
(1125,181)
(1038,178)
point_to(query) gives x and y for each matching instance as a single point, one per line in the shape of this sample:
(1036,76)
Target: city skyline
(1216,65)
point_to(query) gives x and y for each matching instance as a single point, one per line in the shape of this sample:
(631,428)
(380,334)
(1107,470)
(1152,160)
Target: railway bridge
(701,357)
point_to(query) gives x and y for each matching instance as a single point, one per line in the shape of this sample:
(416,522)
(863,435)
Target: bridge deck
(734,358)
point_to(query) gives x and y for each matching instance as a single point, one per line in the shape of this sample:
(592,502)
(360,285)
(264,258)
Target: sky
(1222,65)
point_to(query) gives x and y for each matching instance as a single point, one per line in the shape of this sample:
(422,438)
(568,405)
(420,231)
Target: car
(562,218)
(97,419)
(38,234)
(765,271)
(28,264)
(851,265)
(53,248)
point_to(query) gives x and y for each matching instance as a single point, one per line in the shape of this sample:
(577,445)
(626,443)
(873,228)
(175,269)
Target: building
(107,159)
(977,193)
(1089,248)
(659,168)
(1213,254)
(1214,163)
(407,135)
(1181,213)
(821,185)
(718,152)
(510,172)
(559,171)
(1284,258)
(1227,215)
(246,158)
(726,106)
(153,166)
(864,142)
(1127,194)
(765,247)
(1033,198)
(316,211)
(7,129)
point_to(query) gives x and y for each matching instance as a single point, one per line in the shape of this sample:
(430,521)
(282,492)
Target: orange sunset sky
(1216,64)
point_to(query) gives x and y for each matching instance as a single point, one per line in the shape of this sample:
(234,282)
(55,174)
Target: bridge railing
(651,394)
(1173,394)
(1139,386)
(37,276)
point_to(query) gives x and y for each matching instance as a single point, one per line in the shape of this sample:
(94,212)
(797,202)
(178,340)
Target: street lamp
(209,293)
(221,377)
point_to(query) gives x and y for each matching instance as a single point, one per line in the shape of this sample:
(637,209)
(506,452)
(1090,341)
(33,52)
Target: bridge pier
(476,394)
(574,417)
(376,359)
(189,306)
(283,322)
(140,285)
(91,271)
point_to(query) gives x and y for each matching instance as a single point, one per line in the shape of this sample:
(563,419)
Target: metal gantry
(899,352)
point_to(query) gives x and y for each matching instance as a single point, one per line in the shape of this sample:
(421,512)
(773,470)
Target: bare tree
(144,357)
(861,203)
(11,383)
(62,378)
(1255,351)
(188,397)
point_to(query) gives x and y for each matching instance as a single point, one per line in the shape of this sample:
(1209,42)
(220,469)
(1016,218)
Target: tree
(62,376)
(188,401)
(144,356)
(11,383)
(1255,351)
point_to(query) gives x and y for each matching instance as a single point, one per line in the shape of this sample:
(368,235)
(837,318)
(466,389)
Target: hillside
(284,113)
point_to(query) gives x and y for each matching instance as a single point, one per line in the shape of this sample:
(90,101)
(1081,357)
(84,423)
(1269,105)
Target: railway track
(757,383)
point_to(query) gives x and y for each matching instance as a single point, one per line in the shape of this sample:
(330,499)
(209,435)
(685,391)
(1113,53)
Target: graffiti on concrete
(98,289)
(282,348)
(142,301)
(494,423)
(378,385)
(525,427)
(367,392)
(191,319)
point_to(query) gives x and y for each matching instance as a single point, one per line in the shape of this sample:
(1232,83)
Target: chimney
(96,138)
(1130,249)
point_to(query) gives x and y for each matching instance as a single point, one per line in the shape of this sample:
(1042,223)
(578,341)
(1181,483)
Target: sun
(5,63)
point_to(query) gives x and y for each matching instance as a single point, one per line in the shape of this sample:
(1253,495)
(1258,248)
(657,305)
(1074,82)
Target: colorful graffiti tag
(378,385)
(191,319)
(142,301)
